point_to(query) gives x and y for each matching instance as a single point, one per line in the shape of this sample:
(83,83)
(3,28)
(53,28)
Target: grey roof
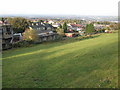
(41,24)
(48,25)
(37,26)
(41,28)
(43,31)
(46,35)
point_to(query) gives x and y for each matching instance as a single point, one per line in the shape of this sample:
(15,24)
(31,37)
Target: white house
(51,22)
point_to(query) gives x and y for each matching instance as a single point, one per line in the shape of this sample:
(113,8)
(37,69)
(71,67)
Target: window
(0,31)
(48,28)
(8,30)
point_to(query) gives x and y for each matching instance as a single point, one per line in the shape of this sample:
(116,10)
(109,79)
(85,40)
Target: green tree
(90,28)
(40,21)
(65,27)
(19,24)
(2,19)
(60,31)
(60,26)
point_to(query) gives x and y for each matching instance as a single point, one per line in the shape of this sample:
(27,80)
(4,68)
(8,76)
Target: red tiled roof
(76,25)
(1,22)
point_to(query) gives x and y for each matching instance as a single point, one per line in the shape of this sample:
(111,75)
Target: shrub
(60,31)
(30,35)
(59,37)
(87,37)
(22,44)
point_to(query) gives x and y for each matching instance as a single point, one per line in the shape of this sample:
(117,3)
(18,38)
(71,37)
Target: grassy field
(89,63)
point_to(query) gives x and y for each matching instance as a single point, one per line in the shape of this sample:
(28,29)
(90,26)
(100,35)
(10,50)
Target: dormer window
(37,24)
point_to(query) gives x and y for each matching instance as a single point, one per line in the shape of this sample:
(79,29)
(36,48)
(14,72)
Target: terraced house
(45,31)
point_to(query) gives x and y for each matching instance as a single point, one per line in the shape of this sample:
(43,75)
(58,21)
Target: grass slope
(79,64)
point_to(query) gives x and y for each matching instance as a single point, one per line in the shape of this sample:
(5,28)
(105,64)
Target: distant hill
(84,17)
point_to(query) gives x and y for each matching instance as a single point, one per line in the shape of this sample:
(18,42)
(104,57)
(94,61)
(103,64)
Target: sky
(59,7)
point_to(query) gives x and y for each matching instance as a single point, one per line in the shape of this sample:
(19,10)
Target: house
(99,27)
(51,22)
(55,25)
(108,31)
(69,34)
(76,28)
(81,32)
(45,31)
(6,35)
(1,22)
(39,26)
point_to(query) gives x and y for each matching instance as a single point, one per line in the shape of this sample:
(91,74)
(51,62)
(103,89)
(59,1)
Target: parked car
(17,37)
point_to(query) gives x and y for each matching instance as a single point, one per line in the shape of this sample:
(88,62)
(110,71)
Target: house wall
(47,38)
(7,36)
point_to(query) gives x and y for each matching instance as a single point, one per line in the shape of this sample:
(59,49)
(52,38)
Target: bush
(22,44)
(30,35)
(60,31)
(59,37)
(87,37)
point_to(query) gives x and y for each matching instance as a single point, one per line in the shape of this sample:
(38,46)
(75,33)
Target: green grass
(89,63)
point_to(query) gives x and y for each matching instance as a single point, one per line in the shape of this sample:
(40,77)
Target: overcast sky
(60,7)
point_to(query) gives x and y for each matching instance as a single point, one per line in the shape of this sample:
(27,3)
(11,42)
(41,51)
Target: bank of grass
(71,63)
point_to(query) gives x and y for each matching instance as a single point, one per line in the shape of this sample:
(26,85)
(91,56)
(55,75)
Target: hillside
(88,63)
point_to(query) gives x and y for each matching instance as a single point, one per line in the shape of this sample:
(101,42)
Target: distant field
(89,63)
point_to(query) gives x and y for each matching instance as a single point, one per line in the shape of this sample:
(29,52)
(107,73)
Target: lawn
(89,63)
